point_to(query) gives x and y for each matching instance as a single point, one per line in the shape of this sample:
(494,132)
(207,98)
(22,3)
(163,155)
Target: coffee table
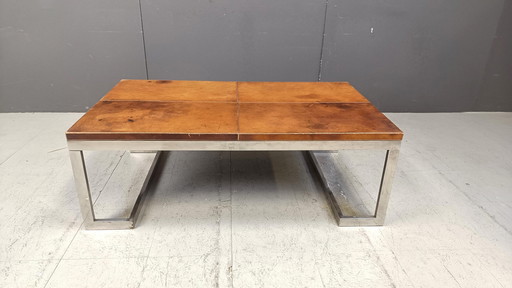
(162,115)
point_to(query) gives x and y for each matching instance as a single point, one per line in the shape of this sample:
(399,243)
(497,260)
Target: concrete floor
(259,219)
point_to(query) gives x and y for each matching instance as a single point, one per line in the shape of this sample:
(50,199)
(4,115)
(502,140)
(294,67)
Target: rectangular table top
(215,110)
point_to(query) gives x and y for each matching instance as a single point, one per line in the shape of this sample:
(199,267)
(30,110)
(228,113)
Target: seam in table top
(243,102)
(237,113)
(239,133)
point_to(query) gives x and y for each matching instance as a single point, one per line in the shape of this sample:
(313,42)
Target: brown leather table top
(208,110)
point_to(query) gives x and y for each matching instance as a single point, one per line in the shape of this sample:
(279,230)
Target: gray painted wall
(496,90)
(233,40)
(421,56)
(63,55)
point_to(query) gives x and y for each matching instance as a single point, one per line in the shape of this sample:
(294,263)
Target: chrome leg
(382,201)
(386,181)
(82,186)
(86,205)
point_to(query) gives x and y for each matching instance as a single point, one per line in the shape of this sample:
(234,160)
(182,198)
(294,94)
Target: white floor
(259,219)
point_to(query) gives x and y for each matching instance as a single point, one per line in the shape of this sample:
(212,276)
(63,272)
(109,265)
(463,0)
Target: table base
(76,148)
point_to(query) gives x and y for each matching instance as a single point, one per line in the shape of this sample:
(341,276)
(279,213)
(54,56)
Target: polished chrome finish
(383,199)
(169,145)
(110,224)
(77,146)
(86,205)
(82,185)
(385,185)
(137,207)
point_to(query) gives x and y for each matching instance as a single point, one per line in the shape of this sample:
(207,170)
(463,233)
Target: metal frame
(86,205)
(76,148)
(379,215)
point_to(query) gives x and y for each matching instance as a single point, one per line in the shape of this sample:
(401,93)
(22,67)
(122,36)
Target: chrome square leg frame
(379,215)
(86,204)
(76,148)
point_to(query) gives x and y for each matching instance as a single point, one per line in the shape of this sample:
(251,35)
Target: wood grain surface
(207,110)
(324,92)
(314,121)
(172,90)
(111,120)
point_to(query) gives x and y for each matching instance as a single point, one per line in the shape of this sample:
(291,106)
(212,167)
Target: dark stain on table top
(215,110)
